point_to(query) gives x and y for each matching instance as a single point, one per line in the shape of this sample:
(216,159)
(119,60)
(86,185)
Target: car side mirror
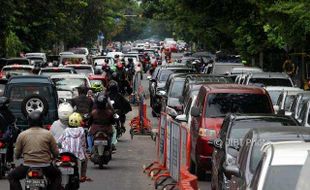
(216,143)
(195,112)
(181,118)
(231,170)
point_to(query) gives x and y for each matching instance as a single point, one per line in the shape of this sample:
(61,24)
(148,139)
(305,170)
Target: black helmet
(4,102)
(130,60)
(113,86)
(101,101)
(35,119)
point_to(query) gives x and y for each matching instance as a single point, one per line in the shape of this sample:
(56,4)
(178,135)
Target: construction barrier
(170,170)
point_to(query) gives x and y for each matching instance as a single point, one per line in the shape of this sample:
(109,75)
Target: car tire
(39,100)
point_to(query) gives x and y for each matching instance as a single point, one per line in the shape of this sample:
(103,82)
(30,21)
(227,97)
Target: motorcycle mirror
(112,102)
(116,116)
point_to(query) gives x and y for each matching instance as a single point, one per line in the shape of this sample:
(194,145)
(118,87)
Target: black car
(250,153)
(29,93)
(157,85)
(227,145)
(170,102)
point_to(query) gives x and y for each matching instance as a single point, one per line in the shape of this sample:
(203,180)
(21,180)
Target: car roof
(78,65)
(288,153)
(57,68)
(269,75)
(29,79)
(282,133)
(281,88)
(82,76)
(238,116)
(241,70)
(233,88)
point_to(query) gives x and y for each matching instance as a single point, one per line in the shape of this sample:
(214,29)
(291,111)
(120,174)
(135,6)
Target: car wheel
(34,103)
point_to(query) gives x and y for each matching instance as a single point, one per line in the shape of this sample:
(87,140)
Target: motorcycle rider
(38,148)
(73,140)
(101,118)
(131,69)
(83,104)
(7,129)
(58,127)
(121,105)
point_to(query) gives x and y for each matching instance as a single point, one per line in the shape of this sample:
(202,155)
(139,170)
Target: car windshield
(271,81)
(53,72)
(72,60)
(284,177)
(274,95)
(83,70)
(69,83)
(176,89)
(241,127)
(219,104)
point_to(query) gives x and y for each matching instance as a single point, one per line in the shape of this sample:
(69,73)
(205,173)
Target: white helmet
(64,111)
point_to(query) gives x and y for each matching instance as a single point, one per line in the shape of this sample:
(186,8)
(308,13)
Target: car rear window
(69,83)
(271,81)
(219,104)
(83,70)
(17,71)
(52,72)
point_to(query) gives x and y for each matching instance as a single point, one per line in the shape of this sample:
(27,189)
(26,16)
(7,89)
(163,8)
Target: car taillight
(34,174)
(208,133)
(2,144)
(65,158)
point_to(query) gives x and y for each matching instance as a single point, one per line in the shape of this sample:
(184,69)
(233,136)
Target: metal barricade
(168,143)
(162,138)
(184,144)
(175,147)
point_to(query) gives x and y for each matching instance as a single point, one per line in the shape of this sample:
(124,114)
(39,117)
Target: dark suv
(212,104)
(29,93)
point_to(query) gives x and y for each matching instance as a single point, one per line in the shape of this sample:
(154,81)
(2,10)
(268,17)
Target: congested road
(125,171)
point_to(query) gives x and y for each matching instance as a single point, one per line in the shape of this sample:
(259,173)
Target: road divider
(170,169)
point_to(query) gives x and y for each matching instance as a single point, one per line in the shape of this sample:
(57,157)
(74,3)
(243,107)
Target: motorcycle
(36,180)
(68,165)
(102,150)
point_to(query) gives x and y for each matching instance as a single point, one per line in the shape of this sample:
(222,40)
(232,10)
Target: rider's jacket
(37,146)
(101,119)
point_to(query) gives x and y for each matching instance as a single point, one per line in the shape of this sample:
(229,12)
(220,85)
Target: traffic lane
(202,184)
(125,170)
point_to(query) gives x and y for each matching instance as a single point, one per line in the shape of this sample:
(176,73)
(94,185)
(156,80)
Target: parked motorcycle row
(248,128)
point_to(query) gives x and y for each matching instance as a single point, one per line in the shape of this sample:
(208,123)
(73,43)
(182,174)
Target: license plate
(3,150)
(97,142)
(66,170)
(35,183)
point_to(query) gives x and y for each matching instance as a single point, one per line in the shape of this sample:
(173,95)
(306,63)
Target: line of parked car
(248,128)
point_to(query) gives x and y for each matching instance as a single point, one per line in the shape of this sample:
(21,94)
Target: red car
(213,102)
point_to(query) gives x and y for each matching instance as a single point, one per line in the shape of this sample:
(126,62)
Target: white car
(36,56)
(66,84)
(285,166)
(275,91)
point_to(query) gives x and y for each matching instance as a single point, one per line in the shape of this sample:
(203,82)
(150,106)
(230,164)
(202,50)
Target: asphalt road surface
(125,170)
